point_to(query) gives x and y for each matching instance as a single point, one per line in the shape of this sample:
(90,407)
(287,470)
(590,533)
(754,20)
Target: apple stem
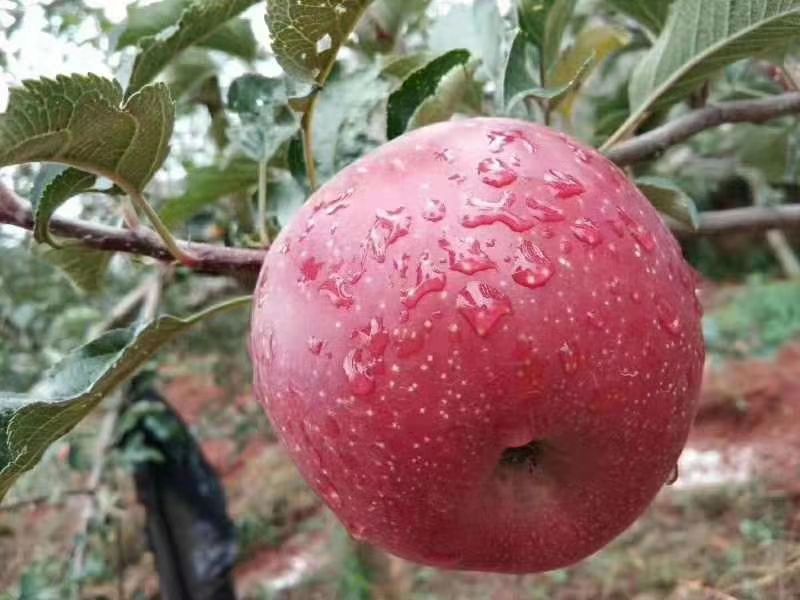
(521,456)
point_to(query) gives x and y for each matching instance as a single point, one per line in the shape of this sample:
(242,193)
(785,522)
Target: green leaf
(265,121)
(401,67)
(350,118)
(234,37)
(479,28)
(670,199)
(187,74)
(80,121)
(418,87)
(306,36)
(198,22)
(285,197)
(652,14)
(698,40)
(491,34)
(85,267)
(207,185)
(520,82)
(591,47)
(66,184)
(72,388)
(544,22)
(457,92)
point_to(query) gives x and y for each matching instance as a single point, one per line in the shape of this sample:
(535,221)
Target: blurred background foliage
(235,130)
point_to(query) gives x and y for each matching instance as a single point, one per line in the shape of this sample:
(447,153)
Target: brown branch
(217,260)
(750,219)
(678,130)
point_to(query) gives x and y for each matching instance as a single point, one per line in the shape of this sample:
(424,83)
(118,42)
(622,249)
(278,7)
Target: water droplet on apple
(333,497)
(532,268)
(434,210)
(373,337)
(668,318)
(429,279)
(337,289)
(482,306)
(358,366)
(268,345)
(389,226)
(477,212)
(617,227)
(496,173)
(587,232)
(315,345)
(543,212)
(408,342)
(569,358)
(401,264)
(332,203)
(309,269)
(580,153)
(673,475)
(457,178)
(466,256)
(643,237)
(498,140)
(564,185)
(445,155)
(615,286)
(593,319)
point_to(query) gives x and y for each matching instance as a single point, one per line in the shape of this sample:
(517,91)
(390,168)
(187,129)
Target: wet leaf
(264,120)
(306,36)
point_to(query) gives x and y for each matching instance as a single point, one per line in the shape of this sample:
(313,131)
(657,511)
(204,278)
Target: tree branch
(217,260)
(678,130)
(751,219)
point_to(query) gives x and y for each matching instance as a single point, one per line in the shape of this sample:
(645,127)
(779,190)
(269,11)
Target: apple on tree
(481,346)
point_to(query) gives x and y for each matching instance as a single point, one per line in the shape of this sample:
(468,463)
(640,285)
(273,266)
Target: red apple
(481,346)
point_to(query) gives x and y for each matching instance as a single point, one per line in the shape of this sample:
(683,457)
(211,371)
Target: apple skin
(481,346)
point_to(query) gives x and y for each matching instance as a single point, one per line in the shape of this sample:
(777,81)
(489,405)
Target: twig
(263,236)
(216,260)
(784,253)
(105,438)
(123,311)
(678,130)
(180,253)
(307,123)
